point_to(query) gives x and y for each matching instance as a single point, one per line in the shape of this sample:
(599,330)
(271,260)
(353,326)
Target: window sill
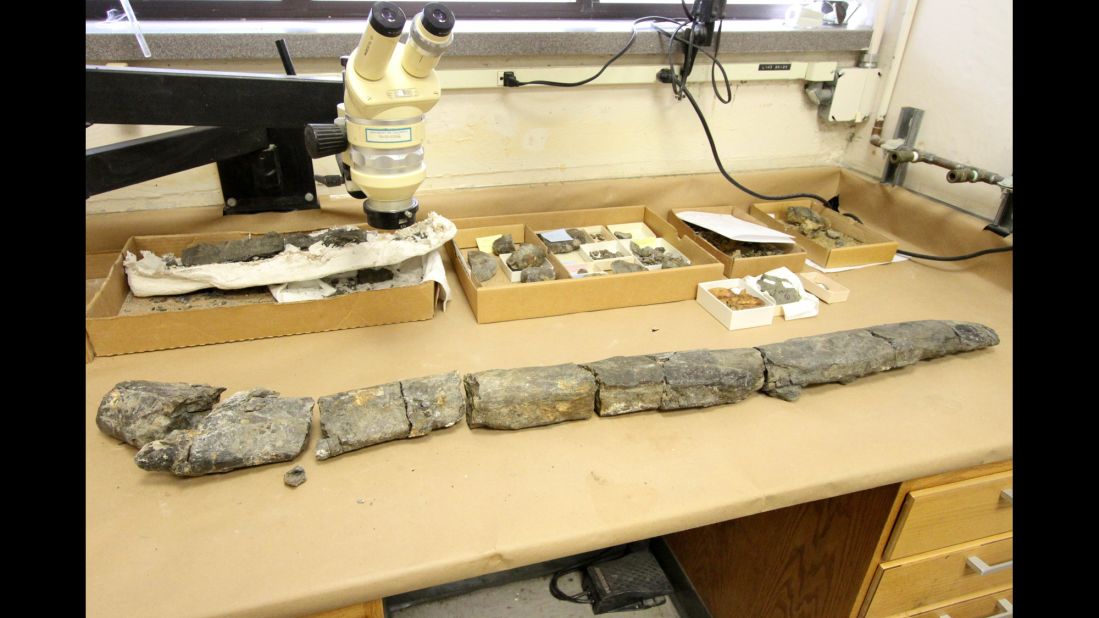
(205,40)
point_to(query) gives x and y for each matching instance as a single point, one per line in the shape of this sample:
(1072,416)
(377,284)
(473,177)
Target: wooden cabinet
(900,550)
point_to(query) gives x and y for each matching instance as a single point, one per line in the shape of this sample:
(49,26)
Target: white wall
(492,137)
(958,69)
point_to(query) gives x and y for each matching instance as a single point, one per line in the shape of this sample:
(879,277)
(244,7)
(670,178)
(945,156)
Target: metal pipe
(959,172)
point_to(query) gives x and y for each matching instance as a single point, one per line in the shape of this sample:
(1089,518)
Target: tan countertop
(460,502)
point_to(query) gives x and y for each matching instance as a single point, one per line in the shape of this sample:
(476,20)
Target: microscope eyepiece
(437,19)
(387,18)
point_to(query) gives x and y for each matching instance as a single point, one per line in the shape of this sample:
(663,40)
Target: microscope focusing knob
(322,140)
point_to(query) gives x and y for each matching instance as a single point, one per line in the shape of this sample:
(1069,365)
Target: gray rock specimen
(834,357)
(926,339)
(673,261)
(561,246)
(343,236)
(355,419)
(781,290)
(622,266)
(242,250)
(138,411)
(603,254)
(701,378)
(580,235)
(251,428)
(433,402)
(373,275)
(538,273)
(482,266)
(294,476)
(525,256)
(407,409)
(529,396)
(627,384)
(805,219)
(623,235)
(503,244)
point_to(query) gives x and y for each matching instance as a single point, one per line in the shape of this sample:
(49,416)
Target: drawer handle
(985,568)
(1003,604)
(1007,496)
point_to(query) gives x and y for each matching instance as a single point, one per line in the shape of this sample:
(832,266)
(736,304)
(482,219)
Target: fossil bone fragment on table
(251,428)
(627,384)
(529,396)
(140,411)
(407,409)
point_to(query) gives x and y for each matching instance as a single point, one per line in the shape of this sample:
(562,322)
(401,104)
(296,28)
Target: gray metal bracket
(908,127)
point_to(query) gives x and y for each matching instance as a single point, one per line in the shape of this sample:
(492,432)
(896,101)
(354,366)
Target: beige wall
(958,69)
(491,137)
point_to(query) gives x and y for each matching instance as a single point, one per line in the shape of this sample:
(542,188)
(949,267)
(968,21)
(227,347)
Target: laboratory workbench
(459,503)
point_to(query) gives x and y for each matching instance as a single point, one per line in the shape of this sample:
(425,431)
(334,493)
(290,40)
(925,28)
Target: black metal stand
(250,124)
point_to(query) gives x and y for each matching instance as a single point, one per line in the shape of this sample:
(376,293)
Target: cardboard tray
(499,303)
(109,333)
(878,248)
(794,259)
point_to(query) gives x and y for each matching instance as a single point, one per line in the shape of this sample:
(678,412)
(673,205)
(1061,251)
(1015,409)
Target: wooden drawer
(946,515)
(981,607)
(912,583)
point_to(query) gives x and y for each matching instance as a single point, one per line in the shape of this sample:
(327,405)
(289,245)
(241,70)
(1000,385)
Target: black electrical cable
(510,81)
(721,168)
(955,258)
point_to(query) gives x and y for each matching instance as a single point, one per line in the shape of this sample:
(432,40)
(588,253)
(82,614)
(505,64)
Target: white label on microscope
(389,136)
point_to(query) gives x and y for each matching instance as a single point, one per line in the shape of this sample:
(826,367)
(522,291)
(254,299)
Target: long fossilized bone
(178,431)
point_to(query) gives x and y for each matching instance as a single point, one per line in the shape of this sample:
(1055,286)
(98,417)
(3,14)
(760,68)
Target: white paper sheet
(316,289)
(896,258)
(736,229)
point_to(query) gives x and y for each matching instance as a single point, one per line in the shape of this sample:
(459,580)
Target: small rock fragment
(294,476)
(580,235)
(561,246)
(627,384)
(482,266)
(537,273)
(673,261)
(780,289)
(622,266)
(251,428)
(373,275)
(355,419)
(529,396)
(603,254)
(834,357)
(502,245)
(139,411)
(339,237)
(623,235)
(433,402)
(702,378)
(525,256)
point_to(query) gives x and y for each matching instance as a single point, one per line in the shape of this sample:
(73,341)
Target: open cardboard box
(109,333)
(498,302)
(794,258)
(877,248)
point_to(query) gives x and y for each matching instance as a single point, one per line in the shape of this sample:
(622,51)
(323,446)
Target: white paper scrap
(896,258)
(736,229)
(297,291)
(557,236)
